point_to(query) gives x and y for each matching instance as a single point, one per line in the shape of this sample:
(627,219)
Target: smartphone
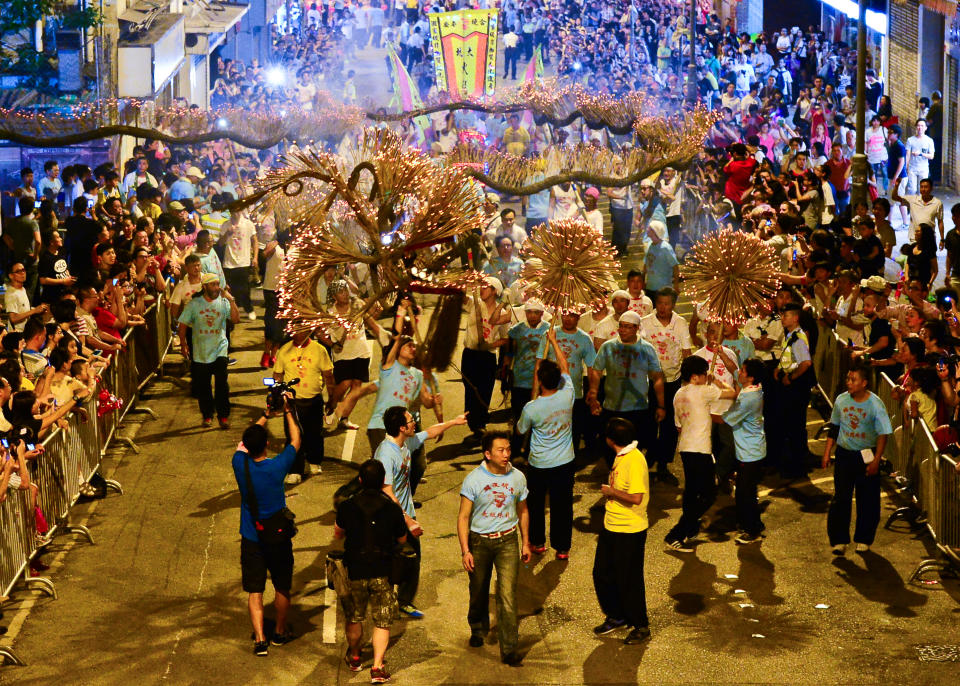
(269,381)
(37,204)
(116,281)
(31,446)
(5,442)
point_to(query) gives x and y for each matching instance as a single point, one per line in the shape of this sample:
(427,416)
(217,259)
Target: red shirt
(738,178)
(838,173)
(106,321)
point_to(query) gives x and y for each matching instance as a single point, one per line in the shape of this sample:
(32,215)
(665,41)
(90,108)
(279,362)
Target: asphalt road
(158,597)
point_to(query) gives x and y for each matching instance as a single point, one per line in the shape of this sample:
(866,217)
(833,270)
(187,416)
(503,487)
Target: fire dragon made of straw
(570,268)
(731,275)
(395,211)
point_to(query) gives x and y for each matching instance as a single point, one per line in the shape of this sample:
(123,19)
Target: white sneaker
(292,479)
(862,547)
(251,316)
(312,469)
(840,549)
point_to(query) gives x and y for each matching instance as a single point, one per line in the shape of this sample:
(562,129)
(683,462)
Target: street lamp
(859,167)
(692,67)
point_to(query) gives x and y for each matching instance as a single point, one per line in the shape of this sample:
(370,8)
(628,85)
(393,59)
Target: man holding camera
(394,453)
(373,525)
(257,557)
(305,359)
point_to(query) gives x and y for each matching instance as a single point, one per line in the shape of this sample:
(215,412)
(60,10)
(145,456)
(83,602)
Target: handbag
(279,527)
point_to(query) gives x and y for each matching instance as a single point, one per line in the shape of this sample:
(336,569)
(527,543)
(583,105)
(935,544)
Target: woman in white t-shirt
(875,146)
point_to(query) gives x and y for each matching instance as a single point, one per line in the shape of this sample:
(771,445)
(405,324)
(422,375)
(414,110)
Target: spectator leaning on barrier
(372,525)
(208,316)
(16,300)
(252,467)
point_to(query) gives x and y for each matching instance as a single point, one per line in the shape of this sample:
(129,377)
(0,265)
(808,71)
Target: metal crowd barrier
(73,455)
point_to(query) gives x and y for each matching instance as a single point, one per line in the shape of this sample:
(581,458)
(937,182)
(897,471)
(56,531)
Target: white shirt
(16,300)
(588,322)
(595,220)
(668,340)
(607,328)
(923,213)
(510,40)
(184,288)
(916,147)
(720,371)
(773,329)
(237,251)
(271,273)
(691,408)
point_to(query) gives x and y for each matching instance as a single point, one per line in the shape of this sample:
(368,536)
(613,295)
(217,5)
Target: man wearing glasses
(16,301)
(394,453)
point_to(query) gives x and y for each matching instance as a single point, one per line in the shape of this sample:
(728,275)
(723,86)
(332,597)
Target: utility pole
(858,188)
(692,68)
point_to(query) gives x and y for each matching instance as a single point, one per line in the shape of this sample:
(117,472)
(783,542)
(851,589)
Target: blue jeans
(502,554)
(622,221)
(880,175)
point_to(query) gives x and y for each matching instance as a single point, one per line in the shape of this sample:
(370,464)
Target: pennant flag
(534,72)
(405,93)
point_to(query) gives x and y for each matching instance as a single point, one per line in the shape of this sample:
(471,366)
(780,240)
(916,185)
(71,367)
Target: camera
(277,389)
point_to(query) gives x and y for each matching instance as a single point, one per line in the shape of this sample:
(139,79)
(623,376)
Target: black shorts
(256,559)
(357,368)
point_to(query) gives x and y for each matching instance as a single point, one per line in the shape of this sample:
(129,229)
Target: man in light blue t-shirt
(550,420)
(208,316)
(630,366)
(524,341)
(394,453)
(493,510)
(860,429)
(580,352)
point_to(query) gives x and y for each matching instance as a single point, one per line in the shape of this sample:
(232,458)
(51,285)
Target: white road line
(203,570)
(329,615)
(348,440)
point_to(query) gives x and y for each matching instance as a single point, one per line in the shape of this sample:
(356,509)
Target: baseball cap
(176,206)
(492,198)
(193,171)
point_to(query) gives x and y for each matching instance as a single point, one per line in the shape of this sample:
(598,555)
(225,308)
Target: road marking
(329,615)
(348,440)
(196,594)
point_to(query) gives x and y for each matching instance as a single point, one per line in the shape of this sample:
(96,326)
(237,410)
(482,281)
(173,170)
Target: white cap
(658,227)
(494,283)
(533,305)
(630,317)
(620,293)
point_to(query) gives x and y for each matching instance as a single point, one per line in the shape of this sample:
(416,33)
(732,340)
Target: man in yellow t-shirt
(618,564)
(305,359)
(516,139)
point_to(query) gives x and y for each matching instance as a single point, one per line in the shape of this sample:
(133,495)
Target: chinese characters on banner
(464,45)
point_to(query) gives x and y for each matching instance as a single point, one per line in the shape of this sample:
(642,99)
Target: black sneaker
(512,659)
(637,635)
(608,626)
(476,640)
(260,648)
(746,539)
(282,639)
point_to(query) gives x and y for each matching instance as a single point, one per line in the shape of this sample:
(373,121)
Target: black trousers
(724,450)
(310,416)
(558,482)
(479,369)
(581,418)
(673,228)
(794,400)
(511,55)
(519,397)
(849,476)
(238,281)
(618,576)
(219,398)
(699,493)
(407,591)
(748,506)
(664,444)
